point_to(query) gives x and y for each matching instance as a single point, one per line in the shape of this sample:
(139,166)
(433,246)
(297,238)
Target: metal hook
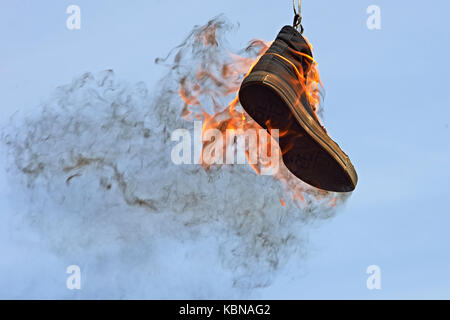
(298,23)
(298,16)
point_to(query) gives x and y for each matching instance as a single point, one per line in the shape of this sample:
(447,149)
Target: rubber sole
(307,150)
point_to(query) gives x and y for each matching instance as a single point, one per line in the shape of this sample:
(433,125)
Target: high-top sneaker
(274,95)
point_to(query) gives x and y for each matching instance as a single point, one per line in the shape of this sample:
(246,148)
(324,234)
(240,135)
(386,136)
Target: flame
(333,202)
(216,80)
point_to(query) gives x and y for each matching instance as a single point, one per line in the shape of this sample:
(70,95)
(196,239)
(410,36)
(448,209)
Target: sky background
(386,104)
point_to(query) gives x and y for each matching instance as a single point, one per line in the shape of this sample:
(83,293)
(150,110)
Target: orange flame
(227,77)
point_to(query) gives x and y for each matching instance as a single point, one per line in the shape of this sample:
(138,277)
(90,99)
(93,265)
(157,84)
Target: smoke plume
(93,166)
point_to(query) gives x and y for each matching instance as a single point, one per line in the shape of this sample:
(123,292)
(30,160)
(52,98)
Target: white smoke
(92,166)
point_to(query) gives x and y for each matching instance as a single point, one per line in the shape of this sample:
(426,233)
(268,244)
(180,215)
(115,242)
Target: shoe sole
(308,152)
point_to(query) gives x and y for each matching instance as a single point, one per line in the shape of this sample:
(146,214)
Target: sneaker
(273,96)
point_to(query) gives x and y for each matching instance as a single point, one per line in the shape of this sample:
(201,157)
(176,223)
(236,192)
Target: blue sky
(386,103)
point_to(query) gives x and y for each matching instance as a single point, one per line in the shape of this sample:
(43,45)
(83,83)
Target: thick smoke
(93,164)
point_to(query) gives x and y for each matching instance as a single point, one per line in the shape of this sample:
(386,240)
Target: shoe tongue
(294,40)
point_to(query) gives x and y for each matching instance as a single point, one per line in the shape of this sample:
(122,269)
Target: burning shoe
(276,96)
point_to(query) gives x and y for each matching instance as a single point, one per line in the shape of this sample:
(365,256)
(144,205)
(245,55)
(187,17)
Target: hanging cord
(298,16)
